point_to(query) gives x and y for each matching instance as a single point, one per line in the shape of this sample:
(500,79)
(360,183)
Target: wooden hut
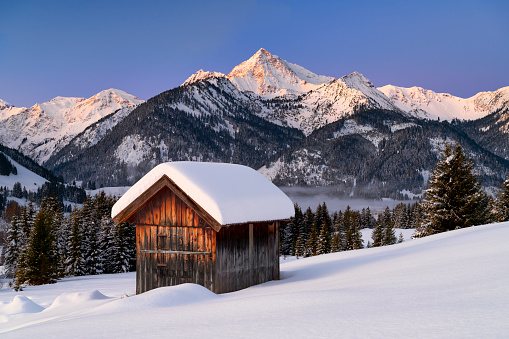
(212,224)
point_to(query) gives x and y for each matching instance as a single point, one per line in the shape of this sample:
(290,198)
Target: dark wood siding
(246,257)
(174,245)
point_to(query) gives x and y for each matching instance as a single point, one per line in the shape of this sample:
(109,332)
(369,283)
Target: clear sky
(78,48)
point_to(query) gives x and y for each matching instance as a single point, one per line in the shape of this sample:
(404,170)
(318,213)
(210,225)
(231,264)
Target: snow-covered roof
(229,193)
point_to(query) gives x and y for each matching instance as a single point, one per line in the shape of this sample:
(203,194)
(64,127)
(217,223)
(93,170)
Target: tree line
(44,245)
(454,200)
(312,233)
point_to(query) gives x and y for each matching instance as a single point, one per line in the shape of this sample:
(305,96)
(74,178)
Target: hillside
(453,284)
(31,175)
(377,153)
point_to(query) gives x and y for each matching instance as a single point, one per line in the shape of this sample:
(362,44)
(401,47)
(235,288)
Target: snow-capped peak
(118,96)
(424,103)
(356,80)
(7,110)
(267,74)
(202,75)
(4,104)
(45,128)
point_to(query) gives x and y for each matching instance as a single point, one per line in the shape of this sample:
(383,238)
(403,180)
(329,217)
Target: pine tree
(124,238)
(455,198)
(501,204)
(389,234)
(312,242)
(110,256)
(324,239)
(338,233)
(39,264)
(12,249)
(401,238)
(51,205)
(300,246)
(75,262)
(291,233)
(351,225)
(378,233)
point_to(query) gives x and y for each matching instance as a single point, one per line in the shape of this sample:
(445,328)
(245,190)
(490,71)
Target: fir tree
(75,262)
(12,249)
(501,204)
(312,242)
(39,264)
(455,198)
(389,234)
(124,238)
(300,246)
(378,233)
(324,239)
(351,225)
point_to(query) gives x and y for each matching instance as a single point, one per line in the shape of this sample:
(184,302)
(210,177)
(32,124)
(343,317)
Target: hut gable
(212,224)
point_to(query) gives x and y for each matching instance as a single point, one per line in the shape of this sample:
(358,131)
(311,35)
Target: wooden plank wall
(243,261)
(174,245)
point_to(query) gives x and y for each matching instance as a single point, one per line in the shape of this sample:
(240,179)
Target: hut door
(185,254)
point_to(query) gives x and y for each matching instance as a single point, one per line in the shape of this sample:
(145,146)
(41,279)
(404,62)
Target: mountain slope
(376,153)
(492,131)
(28,173)
(207,120)
(28,163)
(45,128)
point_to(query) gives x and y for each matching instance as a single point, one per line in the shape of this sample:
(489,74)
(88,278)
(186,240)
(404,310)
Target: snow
(229,193)
(268,75)
(450,285)
(132,150)
(25,177)
(424,103)
(202,75)
(45,128)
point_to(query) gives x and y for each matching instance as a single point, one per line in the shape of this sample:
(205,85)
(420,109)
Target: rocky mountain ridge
(43,129)
(299,128)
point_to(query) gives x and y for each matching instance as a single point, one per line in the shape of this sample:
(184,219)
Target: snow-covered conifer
(455,198)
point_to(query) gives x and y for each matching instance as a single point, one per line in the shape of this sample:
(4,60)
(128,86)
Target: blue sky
(71,48)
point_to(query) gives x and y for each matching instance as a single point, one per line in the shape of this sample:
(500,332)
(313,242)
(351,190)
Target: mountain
(491,131)
(327,103)
(205,120)
(377,153)
(268,75)
(45,128)
(297,127)
(426,104)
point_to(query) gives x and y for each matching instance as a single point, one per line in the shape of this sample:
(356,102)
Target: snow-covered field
(450,285)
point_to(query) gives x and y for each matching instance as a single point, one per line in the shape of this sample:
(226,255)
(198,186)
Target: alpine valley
(295,127)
